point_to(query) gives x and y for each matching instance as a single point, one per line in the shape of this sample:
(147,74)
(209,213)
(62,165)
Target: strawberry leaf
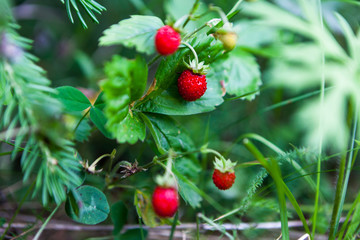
(125,83)
(240,73)
(137,31)
(167,133)
(72,99)
(130,130)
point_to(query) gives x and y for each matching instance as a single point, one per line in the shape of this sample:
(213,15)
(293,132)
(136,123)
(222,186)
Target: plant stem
(194,52)
(342,183)
(46,222)
(193,9)
(81,119)
(18,208)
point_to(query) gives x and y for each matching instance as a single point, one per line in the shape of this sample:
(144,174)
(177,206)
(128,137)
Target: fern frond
(90,6)
(32,119)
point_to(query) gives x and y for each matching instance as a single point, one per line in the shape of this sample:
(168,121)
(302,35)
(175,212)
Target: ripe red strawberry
(191,86)
(167,40)
(165,201)
(224,175)
(223,181)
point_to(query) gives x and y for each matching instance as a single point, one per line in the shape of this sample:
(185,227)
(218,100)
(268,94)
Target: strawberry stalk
(194,52)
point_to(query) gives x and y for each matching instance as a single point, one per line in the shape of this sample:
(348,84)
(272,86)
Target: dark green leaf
(240,73)
(118,215)
(72,99)
(93,206)
(137,31)
(99,119)
(99,102)
(83,131)
(167,133)
(133,234)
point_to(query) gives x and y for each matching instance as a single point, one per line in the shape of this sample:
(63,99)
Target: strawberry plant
(159,116)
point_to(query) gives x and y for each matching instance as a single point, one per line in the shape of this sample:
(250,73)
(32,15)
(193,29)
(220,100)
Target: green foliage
(92,204)
(75,101)
(133,234)
(118,215)
(72,99)
(90,6)
(125,83)
(240,74)
(137,31)
(31,115)
(144,209)
(298,69)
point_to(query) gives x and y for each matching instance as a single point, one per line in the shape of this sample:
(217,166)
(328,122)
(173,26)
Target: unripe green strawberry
(228,39)
(165,201)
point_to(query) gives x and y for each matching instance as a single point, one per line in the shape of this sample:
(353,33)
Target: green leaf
(93,206)
(188,194)
(83,131)
(138,75)
(144,209)
(130,130)
(99,102)
(240,73)
(125,84)
(188,168)
(167,133)
(133,234)
(137,31)
(171,103)
(72,99)
(118,215)
(99,119)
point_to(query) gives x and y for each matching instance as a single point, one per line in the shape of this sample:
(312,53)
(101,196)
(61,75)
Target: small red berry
(191,86)
(167,40)
(224,180)
(165,201)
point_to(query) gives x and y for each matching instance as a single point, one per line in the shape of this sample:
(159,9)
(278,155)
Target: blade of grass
(276,175)
(173,226)
(46,222)
(342,183)
(278,151)
(354,225)
(258,155)
(348,216)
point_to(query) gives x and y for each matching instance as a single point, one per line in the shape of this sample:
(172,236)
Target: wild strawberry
(167,40)
(224,175)
(165,201)
(191,86)
(228,39)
